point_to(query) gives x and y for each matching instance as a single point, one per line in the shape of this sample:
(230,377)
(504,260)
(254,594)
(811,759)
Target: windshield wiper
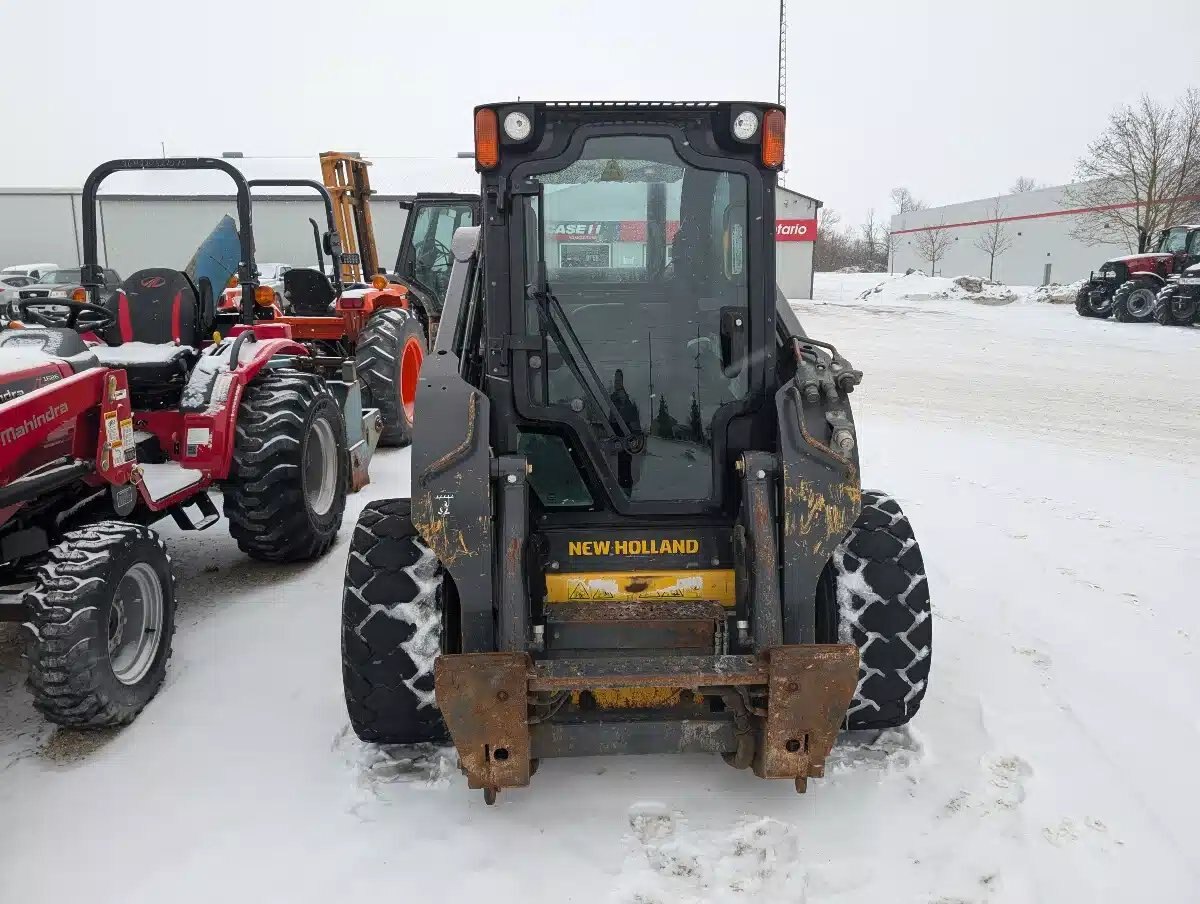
(576,358)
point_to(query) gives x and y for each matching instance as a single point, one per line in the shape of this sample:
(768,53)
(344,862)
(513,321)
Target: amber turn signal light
(487,139)
(772,140)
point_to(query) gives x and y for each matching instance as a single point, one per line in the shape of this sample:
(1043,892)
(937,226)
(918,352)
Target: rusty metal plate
(694,626)
(648,671)
(483,700)
(809,688)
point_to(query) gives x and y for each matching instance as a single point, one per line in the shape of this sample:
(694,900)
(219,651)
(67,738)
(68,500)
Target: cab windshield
(645,260)
(1173,240)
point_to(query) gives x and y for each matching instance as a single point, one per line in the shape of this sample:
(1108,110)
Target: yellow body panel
(628,586)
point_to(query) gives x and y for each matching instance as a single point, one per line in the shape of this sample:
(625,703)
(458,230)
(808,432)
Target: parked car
(34,270)
(60,284)
(9,283)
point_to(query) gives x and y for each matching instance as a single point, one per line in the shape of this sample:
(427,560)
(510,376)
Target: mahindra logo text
(153,282)
(28,426)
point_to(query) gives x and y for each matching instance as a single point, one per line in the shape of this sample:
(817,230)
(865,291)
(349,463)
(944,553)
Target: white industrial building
(1038,225)
(158,218)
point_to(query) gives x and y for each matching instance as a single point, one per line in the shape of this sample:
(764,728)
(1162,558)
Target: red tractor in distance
(130,411)
(1126,287)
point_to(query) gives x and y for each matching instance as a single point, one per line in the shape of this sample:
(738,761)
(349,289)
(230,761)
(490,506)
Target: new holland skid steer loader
(636,522)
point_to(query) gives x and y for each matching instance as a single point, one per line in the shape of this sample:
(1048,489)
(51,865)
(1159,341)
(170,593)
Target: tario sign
(652,547)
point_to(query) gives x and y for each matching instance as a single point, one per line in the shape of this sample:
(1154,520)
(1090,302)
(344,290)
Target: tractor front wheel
(1175,307)
(388,358)
(875,596)
(1134,301)
(286,490)
(101,618)
(1087,305)
(393,623)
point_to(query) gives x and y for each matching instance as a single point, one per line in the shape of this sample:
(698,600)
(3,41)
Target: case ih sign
(606,231)
(796,230)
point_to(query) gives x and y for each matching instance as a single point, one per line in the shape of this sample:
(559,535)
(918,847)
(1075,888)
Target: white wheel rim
(1141,302)
(135,624)
(320,468)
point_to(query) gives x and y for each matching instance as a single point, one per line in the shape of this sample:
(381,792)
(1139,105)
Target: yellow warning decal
(626,586)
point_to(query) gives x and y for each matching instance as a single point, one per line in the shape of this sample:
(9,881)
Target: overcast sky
(953,99)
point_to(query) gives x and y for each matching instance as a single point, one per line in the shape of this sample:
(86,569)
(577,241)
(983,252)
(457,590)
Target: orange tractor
(381,324)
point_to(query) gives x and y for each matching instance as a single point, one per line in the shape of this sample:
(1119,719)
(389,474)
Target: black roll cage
(332,242)
(92,274)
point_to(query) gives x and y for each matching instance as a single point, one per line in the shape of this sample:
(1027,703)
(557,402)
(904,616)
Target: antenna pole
(781,98)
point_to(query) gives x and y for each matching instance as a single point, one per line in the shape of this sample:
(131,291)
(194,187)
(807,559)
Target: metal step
(689,672)
(697,627)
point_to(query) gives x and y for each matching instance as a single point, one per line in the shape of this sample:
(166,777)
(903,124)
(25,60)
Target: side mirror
(733,341)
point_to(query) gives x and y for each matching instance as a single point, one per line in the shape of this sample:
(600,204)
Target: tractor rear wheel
(1174,307)
(388,358)
(876,597)
(1134,301)
(393,623)
(286,490)
(1087,306)
(101,618)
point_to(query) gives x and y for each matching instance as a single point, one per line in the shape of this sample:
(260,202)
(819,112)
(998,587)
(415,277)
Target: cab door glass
(643,252)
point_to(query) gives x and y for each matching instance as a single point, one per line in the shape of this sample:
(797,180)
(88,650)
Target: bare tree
(1137,176)
(905,201)
(1024,184)
(995,239)
(889,242)
(871,234)
(932,244)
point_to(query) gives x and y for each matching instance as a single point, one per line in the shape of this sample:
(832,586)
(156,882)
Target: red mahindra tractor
(127,412)
(1126,287)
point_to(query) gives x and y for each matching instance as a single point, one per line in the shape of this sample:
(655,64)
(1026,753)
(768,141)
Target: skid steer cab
(636,522)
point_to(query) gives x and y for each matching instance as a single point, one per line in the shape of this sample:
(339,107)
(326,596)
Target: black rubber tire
(1083,304)
(1120,308)
(1166,313)
(393,606)
(70,673)
(269,512)
(881,604)
(377,358)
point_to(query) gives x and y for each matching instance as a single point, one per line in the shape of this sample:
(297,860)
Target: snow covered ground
(1050,465)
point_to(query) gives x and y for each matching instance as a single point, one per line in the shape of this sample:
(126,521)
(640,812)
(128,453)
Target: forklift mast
(345,175)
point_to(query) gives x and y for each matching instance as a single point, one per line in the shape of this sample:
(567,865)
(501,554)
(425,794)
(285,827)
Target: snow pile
(670,863)
(167,478)
(1056,293)
(15,358)
(916,286)
(133,353)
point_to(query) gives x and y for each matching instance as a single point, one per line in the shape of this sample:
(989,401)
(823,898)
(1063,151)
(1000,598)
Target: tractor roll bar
(92,275)
(335,241)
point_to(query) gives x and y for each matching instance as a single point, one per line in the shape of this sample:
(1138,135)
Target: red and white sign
(796,230)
